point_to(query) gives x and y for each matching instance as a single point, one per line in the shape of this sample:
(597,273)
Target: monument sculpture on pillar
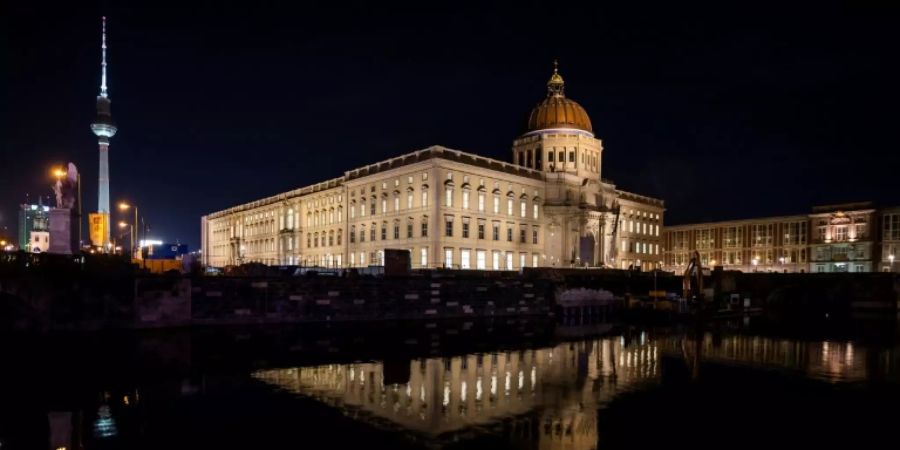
(64,217)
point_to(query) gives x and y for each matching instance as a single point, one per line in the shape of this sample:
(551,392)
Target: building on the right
(890,239)
(844,238)
(847,237)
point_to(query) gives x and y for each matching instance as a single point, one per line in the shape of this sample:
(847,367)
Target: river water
(525,386)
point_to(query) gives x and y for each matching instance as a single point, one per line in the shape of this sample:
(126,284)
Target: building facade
(890,240)
(548,207)
(832,238)
(34,226)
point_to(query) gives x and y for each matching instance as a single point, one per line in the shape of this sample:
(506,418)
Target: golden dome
(557,111)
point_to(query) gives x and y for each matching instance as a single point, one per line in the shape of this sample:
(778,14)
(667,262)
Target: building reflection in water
(549,396)
(823,360)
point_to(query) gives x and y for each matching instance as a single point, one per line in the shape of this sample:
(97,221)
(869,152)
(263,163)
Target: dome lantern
(557,111)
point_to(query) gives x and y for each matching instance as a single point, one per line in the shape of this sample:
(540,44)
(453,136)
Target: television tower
(104,128)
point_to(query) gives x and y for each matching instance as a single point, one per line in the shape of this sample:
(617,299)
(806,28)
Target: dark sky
(724,110)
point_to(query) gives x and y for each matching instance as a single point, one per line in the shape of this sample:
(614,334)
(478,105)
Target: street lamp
(891,259)
(130,233)
(123,206)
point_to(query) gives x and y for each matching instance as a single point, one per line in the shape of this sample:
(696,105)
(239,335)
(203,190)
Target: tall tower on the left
(105,129)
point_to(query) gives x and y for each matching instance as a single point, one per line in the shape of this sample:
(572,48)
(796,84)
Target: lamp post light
(130,234)
(123,206)
(891,259)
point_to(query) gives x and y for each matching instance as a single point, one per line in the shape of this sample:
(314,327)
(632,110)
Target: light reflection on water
(549,396)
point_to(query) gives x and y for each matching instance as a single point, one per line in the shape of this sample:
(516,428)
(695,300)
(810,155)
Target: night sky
(724,111)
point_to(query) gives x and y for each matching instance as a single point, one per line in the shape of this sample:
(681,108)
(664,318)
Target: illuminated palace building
(852,237)
(548,207)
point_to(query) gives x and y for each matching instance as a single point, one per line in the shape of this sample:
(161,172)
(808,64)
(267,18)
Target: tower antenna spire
(103,61)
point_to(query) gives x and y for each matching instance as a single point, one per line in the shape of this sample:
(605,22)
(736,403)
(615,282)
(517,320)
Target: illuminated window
(464,258)
(481,202)
(409,200)
(509,261)
(448,197)
(480,259)
(509,206)
(448,258)
(465,199)
(424,198)
(523,208)
(423,255)
(496,204)
(535,210)
(495,260)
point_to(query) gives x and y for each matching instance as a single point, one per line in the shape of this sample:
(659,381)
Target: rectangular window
(424,199)
(509,261)
(409,230)
(448,227)
(383,206)
(522,236)
(534,236)
(522,257)
(535,210)
(480,260)
(396,231)
(396,203)
(362,258)
(464,255)
(480,202)
(372,233)
(509,232)
(465,201)
(424,229)
(352,259)
(448,258)
(571,157)
(523,208)
(535,259)
(495,260)
(409,200)
(496,231)
(423,258)
(509,207)
(372,207)
(383,233)
(448,198)
(480,231)
(465,232)
(496,205)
